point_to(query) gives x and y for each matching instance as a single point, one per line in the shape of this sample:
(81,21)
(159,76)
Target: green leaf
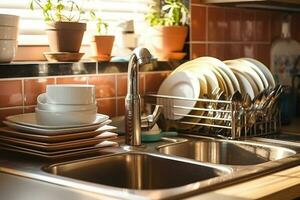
(31,5)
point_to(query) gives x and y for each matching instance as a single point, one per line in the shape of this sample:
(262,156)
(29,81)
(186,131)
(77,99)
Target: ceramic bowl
(9,20)
(8,50)
(53,118)
(8,32)
(71,94)
(43,105)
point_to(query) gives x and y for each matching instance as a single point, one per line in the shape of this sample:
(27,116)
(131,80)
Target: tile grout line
(206,31)
(116,94)
(190,35)
(12,107)
(226,42)
(23,96)
(144,82)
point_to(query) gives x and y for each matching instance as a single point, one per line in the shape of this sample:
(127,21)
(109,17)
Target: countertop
(280,185)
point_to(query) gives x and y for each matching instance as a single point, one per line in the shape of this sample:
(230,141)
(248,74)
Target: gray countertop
(15,187)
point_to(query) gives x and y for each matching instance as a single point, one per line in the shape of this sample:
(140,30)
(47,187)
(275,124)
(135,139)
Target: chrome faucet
(140,57)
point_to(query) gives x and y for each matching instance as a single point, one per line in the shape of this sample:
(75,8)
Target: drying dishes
(208,77)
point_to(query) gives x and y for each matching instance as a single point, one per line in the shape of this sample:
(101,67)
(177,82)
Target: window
(32,26)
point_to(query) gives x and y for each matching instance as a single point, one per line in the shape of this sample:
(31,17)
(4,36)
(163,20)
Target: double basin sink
(176,168)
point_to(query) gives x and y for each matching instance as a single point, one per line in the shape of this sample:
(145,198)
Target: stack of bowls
(67,104)
(8,37)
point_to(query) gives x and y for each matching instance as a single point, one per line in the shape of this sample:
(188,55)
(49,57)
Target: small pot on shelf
(65,36)
(101,47)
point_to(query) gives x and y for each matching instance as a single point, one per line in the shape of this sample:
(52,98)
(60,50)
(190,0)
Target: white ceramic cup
(71,94)
(43,105)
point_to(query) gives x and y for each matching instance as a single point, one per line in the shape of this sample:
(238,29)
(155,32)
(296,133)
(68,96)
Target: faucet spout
(139,57)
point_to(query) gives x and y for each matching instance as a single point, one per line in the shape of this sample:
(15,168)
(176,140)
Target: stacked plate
(59,133)
(198,78)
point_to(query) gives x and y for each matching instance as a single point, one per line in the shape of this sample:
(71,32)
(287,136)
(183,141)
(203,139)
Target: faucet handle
(149,121)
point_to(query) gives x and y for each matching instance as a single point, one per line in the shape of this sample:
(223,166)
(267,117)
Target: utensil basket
(220,118)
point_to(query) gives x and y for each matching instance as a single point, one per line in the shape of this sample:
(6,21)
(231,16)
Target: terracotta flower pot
(164,40)
(65,36)
(101,46)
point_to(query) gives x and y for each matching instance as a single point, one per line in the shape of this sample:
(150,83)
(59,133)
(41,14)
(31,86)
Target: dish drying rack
(220,118)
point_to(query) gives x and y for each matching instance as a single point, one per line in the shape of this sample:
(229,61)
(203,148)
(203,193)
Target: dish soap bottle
(284,53)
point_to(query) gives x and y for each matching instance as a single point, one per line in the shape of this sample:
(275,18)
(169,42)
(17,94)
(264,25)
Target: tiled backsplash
(222,32)
(19,95)
(227,32)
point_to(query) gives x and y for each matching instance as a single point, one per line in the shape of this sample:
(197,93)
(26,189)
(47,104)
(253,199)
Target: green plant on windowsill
(64,29)
(101,44)
(169,29)
(58,10)
(172,13)
(100,24)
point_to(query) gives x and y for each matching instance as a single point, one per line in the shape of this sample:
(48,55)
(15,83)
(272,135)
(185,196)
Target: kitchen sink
(227,152)
(137,171)
(175,168)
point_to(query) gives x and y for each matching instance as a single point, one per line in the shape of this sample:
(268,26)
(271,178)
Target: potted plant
(64,29)
(169,28)
(101,43)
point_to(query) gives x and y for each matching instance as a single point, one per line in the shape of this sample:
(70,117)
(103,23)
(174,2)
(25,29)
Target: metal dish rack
(221,118)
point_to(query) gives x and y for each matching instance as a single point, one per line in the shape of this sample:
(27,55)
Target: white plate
(233,82)
(244,84)
(42,131)
(6,131)
(240,66)
(265,71)
(201,69)
(257,70)
(180,84)
(30,119)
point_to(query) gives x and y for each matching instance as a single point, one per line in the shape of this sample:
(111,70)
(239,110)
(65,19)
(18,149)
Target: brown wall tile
(153,81)
(72,80)
(276,21)
(29,109)
(248,50)
(107,107)
(120,106)
(247,25)
(198,50)
(233,18)
(34,87)
(295,26)
(105,85)
(11,93)
(216,50)
(198,23)
(216,24)
(122,84)
(262,53)
(232,51)
(262,26)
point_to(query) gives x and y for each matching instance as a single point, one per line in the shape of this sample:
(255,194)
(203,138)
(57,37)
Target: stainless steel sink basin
(227,152)
(136,171)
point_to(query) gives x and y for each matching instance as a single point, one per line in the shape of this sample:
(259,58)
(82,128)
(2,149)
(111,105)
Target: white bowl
(8,50)
(51,118)
(9,20)
(43,105)
(71,94)
(8,32)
